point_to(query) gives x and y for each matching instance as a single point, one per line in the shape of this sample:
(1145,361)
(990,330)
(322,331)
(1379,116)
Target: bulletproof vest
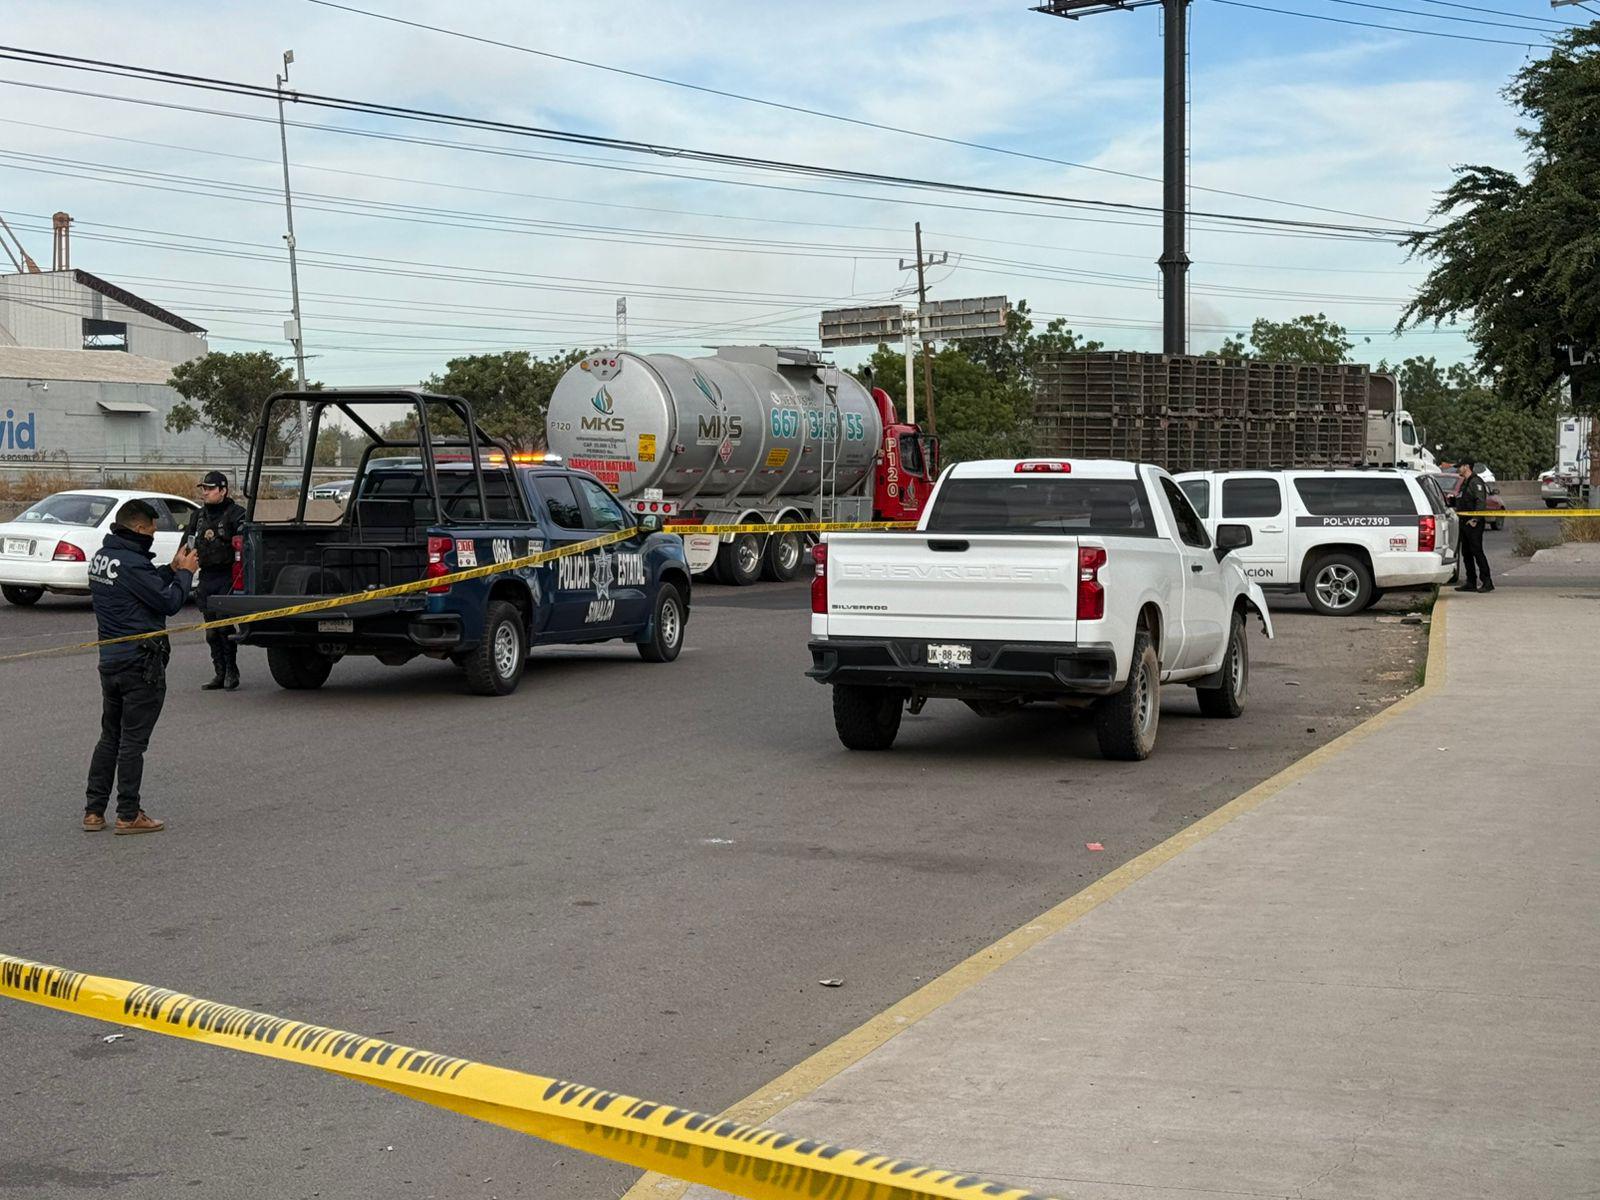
(213,536)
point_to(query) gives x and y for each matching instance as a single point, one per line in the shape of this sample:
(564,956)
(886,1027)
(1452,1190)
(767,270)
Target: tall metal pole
(927,349)
(622,322)
(1174,259)
(911,378)
(288,215)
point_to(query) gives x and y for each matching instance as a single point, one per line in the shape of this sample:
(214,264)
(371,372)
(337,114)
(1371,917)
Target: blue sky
(533,251)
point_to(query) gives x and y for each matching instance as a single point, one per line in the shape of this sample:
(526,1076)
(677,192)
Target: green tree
(509,392)
(223,393)
(1465,417)
(982,389)
(1305,339)
(1519,259)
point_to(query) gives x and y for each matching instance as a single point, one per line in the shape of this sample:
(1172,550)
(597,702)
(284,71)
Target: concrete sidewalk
(1378,975)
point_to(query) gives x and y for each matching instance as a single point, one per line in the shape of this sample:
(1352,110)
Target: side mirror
(1231,538)
(930,455)
(650,523)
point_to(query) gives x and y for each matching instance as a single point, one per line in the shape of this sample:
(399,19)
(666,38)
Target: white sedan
(47,548)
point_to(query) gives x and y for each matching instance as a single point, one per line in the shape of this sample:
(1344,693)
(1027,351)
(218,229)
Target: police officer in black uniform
(211,532)
(1473,496)
(131,595)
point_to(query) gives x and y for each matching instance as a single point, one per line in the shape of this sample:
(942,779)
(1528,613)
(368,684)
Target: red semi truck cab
(908,465)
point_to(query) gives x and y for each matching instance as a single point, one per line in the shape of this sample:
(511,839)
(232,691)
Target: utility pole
(622,322)
(292,328)
(927,347)
(1174,260)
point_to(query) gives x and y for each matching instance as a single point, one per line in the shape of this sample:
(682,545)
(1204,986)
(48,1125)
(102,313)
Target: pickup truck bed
(1071,583)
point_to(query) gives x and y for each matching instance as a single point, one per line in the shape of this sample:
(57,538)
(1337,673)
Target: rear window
(1355,496)
(458,493)
(1110,507)
(69,508)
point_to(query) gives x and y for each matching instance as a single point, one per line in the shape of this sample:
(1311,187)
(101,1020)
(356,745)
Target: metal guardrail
(108,472)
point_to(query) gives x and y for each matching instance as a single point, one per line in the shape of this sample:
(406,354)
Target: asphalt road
(627,875)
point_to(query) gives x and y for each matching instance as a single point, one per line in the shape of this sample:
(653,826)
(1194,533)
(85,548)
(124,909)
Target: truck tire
(1227,698)
(739,561)
(781,561)
(1372,600)
(1552,504)
(298,668)
(666,626)
(866,718)
(1338,585)
(21,596)
(1125,724)
(494,665)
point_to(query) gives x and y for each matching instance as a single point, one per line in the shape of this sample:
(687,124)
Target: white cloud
(1318,126)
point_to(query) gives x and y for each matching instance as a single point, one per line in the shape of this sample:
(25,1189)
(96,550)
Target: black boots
(218,681)
(230,680)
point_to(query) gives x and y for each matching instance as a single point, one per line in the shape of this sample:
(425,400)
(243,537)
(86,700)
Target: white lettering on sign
(501,548)
(466,553)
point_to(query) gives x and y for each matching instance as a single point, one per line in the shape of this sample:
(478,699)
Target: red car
(1450,483)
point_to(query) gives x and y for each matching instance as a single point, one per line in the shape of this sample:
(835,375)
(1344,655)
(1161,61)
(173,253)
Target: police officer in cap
(211,531)
(1472,495)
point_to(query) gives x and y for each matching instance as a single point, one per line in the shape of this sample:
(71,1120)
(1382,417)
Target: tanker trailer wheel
(783,556)
(739,560)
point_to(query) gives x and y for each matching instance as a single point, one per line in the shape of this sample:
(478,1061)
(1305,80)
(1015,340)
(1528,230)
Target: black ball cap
(214,479)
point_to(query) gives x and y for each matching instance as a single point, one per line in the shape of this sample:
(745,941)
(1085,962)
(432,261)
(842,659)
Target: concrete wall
(47,311)
(64,421)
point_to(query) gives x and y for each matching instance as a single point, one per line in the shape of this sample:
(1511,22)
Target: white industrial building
(84,366)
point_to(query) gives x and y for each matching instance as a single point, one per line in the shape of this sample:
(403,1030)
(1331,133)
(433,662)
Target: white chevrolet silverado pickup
(1084,583)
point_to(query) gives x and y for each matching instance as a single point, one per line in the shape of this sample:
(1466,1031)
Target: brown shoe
(93,822)
(143,823)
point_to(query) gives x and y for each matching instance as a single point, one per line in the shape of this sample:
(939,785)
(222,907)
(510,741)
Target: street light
(292,329)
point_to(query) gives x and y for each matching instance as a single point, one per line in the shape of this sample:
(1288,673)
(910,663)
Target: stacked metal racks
(1185,412)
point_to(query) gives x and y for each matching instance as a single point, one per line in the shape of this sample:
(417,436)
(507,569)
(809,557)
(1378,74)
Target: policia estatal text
(131,595)
(211,531)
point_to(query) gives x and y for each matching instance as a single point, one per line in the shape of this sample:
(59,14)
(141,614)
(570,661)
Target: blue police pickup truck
(458,499)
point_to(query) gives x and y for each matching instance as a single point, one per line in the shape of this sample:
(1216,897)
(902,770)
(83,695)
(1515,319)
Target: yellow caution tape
(762,1164)
(1563,513)
(421,585)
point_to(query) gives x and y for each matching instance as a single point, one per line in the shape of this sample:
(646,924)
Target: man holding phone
(211,531)
(132,598)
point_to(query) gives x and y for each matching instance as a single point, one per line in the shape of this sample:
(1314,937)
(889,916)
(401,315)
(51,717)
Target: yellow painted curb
(807,1076)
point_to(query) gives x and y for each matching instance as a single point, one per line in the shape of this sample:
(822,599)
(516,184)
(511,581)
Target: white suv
(1343,536)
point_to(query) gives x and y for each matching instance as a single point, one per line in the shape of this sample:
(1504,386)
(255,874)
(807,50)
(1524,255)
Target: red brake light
(1091,595)
(438,547)
(819,581)
(1051,468)
(238,562)
(67,552)
(1427,528)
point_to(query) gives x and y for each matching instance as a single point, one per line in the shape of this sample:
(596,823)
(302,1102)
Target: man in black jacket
(211,531)
(1473,496)
(131,595)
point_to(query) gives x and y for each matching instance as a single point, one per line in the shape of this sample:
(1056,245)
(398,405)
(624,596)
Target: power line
(814,112)
(1459,37)
(1500,12)
(1411,12)
(429,116)
(561,283)
(920,203)
(413,181)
